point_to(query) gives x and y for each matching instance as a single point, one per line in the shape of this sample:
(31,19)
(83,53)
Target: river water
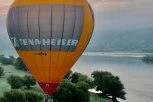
(136,75)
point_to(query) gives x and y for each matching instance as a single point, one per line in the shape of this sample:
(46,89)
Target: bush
(19,64)
(33,97)
(16,82)
(2,99)
(13,96)
(28,81)
(21,96)
(1,71)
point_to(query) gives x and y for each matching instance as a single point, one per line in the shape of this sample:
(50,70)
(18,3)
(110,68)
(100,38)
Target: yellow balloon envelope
(49,36)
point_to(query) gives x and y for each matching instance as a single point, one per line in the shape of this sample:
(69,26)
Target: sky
(109,15)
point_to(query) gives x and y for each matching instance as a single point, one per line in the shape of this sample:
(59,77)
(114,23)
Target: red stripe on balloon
(48,88)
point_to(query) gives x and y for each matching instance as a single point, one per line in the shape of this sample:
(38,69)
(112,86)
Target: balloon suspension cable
(48,98)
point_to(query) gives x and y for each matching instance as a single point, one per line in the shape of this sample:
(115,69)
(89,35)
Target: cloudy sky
(109,15)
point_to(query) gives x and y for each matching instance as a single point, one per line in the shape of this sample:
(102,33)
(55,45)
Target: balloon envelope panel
(50,36)
(46,27)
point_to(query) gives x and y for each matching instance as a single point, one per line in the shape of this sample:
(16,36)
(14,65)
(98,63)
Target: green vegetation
(15,81)
(13,96)
(74,87)
(9,70)
(33,96)
(28,81)
(17,95)
(109,85)
(148,59)
(18,63)
(12,59)
(69,92)
(1,71)
(99,98)
(82,92)
(78,77)
(6,61)
(21,96)
(80,86)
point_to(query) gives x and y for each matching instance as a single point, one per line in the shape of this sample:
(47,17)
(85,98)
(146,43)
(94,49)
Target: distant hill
(138,40)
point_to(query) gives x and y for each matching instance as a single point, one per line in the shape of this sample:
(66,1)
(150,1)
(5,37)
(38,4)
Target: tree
(12,59)
(78,77)
(98,79)
(15,81)
(28,81)
(70,92)
(110,85)
(64,93)
(82,94)
(83,85)
(4,60)
(19,64)
(1,71)
(75,77)
(13,96)
(33,96)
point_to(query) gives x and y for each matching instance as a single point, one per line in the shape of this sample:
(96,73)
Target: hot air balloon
(50,36)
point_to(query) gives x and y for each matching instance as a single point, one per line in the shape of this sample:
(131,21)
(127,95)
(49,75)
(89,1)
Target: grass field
(10,70)
(96,98)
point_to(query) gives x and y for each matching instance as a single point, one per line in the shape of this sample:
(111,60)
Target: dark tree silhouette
(109,85)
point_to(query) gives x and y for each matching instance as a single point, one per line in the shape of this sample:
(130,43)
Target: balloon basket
(48,98)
